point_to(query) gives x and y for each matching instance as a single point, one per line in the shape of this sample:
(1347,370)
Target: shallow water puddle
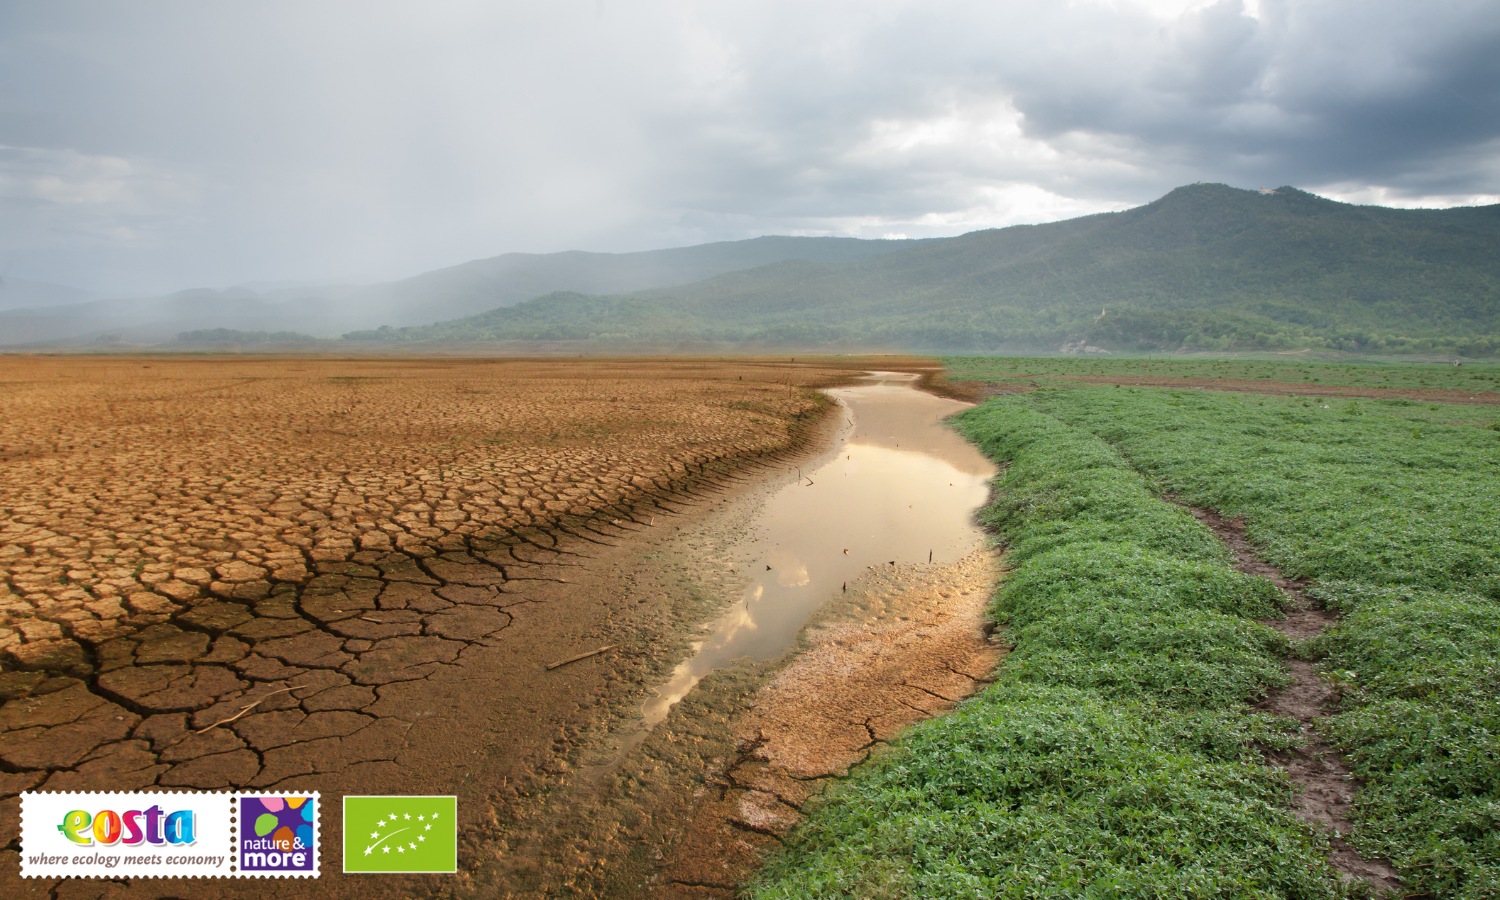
(901,488)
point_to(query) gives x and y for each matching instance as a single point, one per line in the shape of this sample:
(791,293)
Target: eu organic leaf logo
(400,834)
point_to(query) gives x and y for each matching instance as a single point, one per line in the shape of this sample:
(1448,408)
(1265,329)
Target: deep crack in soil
(1318,770)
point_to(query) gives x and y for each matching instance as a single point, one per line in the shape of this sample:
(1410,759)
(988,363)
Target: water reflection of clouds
(705,656)
(667,696)
(684,678)
(788,568)
(902,488)
(740,618)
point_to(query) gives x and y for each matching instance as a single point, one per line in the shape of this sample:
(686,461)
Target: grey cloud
(293,140)
(1313,91)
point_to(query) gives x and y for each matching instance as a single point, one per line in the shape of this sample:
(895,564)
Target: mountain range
(1207,266)
(466,289)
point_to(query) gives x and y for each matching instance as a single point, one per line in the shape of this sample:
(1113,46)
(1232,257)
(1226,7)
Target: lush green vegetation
(1422,726)
(1116,754)
(1309,373)
(1205,267)
(1393,508)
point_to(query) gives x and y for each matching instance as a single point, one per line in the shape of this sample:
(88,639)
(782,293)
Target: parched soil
(344,575)
(1325,785)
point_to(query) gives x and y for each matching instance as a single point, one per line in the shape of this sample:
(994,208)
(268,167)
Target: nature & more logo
(278,834)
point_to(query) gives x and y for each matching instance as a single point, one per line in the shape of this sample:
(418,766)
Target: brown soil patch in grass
(345,575)
(1325,785)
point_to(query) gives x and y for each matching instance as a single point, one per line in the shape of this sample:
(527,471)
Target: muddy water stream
(866,561)
(900,488)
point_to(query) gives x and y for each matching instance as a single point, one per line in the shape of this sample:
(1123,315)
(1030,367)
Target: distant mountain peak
(1207,266)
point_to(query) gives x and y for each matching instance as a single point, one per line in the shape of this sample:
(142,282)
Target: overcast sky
(147,146)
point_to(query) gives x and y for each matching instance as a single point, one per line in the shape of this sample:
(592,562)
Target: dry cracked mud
(344,575)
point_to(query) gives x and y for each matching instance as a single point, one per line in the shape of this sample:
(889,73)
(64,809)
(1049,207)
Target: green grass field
(1117,754)
(1304,372)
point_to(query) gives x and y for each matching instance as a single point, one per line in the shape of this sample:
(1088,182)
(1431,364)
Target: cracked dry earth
(1326,789)
(340,575)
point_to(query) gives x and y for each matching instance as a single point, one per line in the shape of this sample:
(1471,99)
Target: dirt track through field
(1325,785)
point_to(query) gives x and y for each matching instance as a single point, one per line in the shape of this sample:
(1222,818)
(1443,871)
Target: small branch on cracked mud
(244,710)
(582,656)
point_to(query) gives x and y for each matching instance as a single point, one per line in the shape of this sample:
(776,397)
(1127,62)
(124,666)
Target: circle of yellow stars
(422,822)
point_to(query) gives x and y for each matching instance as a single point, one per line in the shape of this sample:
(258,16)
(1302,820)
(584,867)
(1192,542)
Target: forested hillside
(1205,267)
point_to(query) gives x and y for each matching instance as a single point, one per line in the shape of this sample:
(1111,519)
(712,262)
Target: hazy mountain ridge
(1206,267)
(452,292)
(152,320)
(21,293)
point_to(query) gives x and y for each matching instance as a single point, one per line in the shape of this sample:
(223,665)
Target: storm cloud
(157,145)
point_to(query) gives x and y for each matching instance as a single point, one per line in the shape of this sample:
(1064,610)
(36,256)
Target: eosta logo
(131,827)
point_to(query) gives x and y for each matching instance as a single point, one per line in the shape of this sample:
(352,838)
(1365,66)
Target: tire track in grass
(1319,770)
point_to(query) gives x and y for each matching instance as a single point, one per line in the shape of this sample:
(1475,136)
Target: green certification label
(401,834)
